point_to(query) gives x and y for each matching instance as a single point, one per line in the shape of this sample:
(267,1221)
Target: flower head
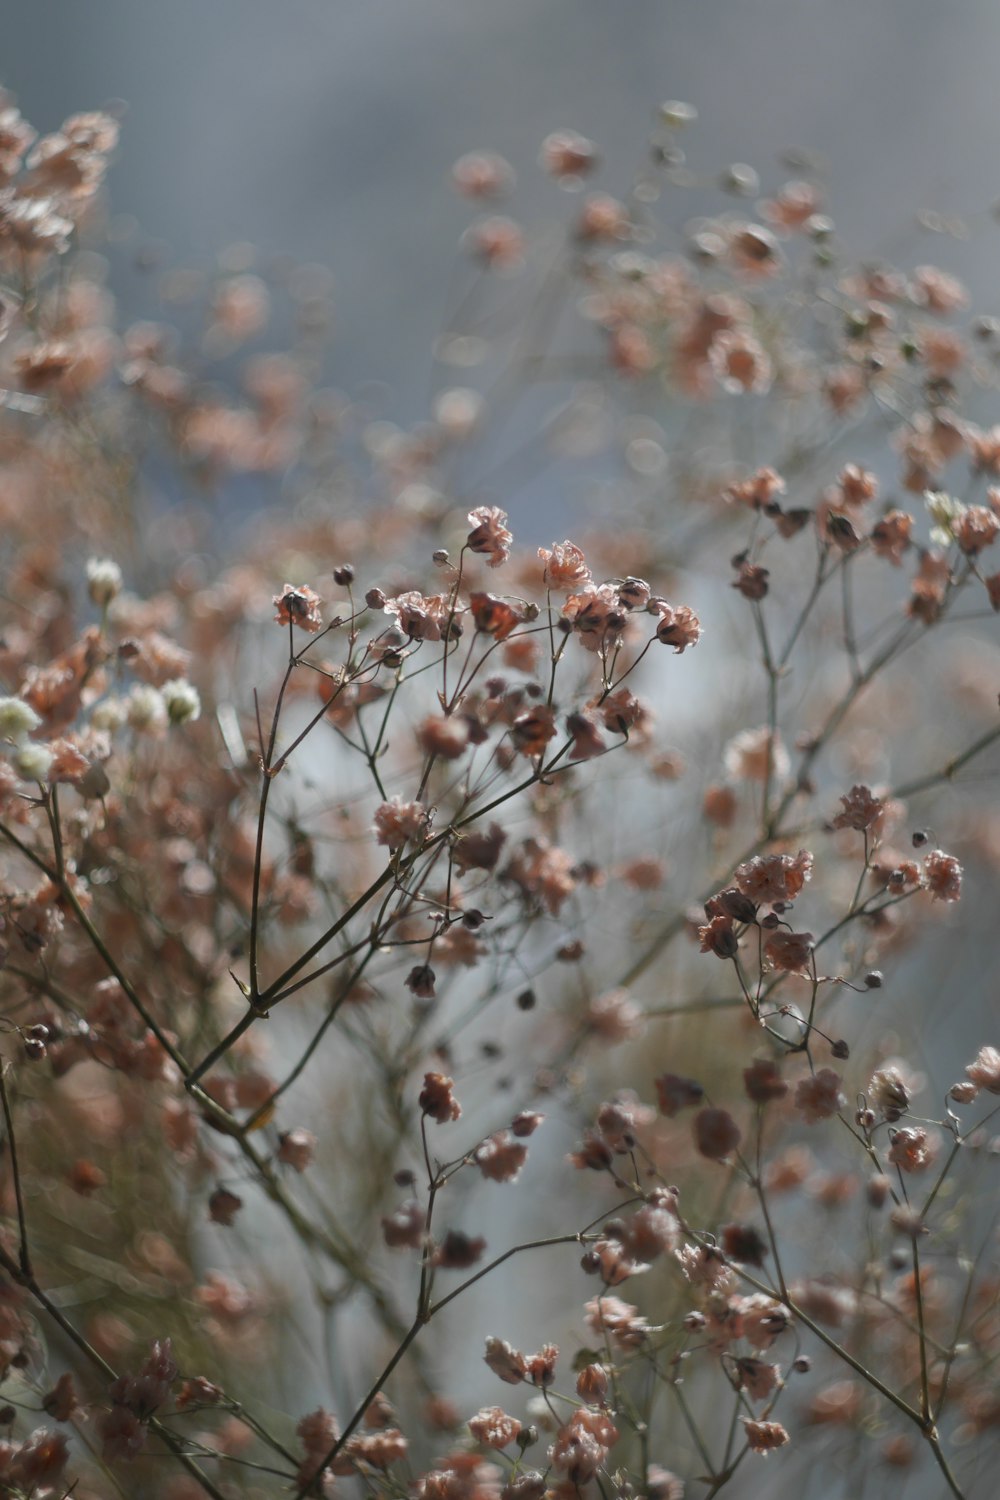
(298,606)
(489,534)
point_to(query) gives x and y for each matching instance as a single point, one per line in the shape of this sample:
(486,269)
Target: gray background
(326,128)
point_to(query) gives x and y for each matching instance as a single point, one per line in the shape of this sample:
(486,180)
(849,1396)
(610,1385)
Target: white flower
(33,762)
(182,700)
(110,714)
(104,580)
(146,710)
(945,512)
(17,719)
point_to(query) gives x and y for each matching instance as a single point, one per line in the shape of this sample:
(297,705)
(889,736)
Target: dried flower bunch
(399,917)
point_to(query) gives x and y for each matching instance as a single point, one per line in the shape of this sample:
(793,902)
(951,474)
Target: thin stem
(23,1255)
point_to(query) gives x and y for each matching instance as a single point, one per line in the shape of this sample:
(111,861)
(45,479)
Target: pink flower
(774,877)
(819,1096)
(985,1071)
(678,627)
(493,1427)
(500,1157)
(404,1228)
(716,1133)
(298,606)
(437,1100)
(861,809)
(396,822)
(565,567)
(489,535)
(790,951)
(911,1149)
(764,1437)
(943,875)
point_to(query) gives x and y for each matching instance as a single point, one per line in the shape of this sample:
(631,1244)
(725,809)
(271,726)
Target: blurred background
(325,129)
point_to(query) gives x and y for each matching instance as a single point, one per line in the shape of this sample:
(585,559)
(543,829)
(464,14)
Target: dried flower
(493,1427)
(943,875)
(984,1072)
(763,1081)
(716,1133)
(298,606)
(500,1157)
(489,535)
(861,809)
(911,1149)
(819,1096)
(437,1100)
(396,822)
(678,627)
(791,952)
(764,1437)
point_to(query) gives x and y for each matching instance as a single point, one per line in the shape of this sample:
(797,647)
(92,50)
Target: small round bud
(873,980)
(343,575)
(878,1190)
(441,557)
(223,1206)
(526,1000)
(104,580)
(676,114)
(802,1364)
(740,180)
(590,1262)
(918,839)
(841,1050)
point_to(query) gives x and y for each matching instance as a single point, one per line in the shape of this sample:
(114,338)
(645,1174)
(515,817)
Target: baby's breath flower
(764,1437)
(819,1096)
(182,701)
(911,1150)
(110,714)
(104,580)
(493,1427)
(945,511)
(943,875)
(145,709)
(489,534)
(984,1072)
(33,762)
(17,720)
(716,1133)
(298,606)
